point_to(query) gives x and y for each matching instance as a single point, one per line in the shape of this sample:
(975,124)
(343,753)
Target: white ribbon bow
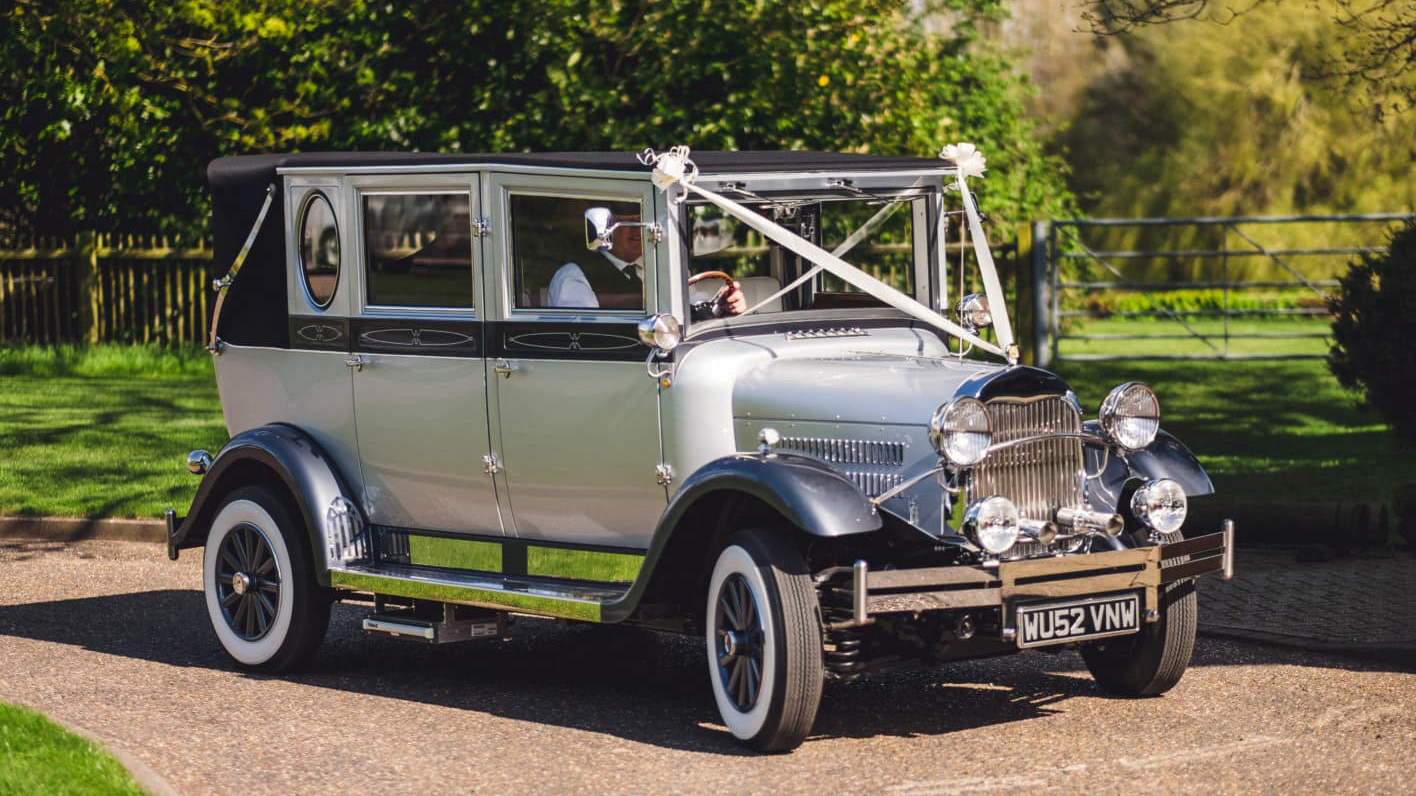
(966,156)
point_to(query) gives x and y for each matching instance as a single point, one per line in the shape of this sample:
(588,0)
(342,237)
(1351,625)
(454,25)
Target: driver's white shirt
(570,288)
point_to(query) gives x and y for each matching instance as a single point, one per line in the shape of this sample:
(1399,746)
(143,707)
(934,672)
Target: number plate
(1042,624)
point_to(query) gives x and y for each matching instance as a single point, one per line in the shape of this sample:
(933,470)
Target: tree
(1374,322)
(1382,47)
(110,109)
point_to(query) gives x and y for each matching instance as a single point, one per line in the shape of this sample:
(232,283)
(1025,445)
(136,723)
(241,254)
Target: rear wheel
(764,641)
(264,604)
(1150,662)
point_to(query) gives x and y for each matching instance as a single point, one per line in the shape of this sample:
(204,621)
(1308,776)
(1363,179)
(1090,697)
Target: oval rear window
(319,249)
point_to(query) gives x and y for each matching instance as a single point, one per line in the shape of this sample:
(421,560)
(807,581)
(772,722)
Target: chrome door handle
(504,368)
(356,362)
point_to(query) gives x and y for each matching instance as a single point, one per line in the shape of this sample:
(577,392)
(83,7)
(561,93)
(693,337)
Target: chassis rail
(1013,582)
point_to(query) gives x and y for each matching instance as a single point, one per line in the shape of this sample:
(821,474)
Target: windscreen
(878,237)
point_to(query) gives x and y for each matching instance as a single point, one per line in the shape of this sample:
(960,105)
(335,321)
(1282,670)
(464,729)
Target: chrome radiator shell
(1039,476)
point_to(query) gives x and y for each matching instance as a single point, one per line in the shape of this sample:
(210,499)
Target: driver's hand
(734,302)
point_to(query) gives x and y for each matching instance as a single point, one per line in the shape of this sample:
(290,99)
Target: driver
(616,279)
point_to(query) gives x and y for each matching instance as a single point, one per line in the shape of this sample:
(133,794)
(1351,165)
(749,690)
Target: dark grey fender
(276,451)
(810,494)
(807,492)
(1166,457)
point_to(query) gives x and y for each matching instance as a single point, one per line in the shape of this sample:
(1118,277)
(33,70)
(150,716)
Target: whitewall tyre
(261,596)
(764,641)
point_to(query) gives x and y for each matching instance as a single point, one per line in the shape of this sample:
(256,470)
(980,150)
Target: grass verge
(39,757)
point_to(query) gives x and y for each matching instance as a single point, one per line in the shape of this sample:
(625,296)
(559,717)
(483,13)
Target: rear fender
(284,457)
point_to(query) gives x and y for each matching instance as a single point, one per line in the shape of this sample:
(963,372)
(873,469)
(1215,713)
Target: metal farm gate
(1193,288)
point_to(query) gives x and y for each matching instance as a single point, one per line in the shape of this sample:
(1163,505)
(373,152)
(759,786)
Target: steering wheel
(722,291)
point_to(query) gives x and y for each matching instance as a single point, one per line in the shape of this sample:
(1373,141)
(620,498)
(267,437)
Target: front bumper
(1011,583)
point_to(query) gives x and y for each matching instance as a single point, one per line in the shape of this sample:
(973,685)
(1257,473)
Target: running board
(520,594)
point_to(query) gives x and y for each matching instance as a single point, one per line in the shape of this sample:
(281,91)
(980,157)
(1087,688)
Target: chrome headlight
(961,431)
(974,313)
(1130,416)
(992,523)
(1161,505)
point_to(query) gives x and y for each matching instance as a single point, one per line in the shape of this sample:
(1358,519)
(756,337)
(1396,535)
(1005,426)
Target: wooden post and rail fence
(104,288)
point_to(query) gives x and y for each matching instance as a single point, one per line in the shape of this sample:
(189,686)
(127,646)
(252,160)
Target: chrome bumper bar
(945,588)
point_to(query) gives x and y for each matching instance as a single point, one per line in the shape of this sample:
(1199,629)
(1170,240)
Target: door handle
(356,362)
(504,368)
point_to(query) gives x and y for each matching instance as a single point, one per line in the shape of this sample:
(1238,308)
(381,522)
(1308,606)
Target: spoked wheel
(740,643)
(247,582)
(1150,662)
(264,604)
(764,641)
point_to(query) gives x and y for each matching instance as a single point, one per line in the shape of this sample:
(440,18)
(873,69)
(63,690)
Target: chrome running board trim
(537,596)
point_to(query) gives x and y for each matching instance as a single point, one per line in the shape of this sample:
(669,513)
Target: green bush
(1374,330)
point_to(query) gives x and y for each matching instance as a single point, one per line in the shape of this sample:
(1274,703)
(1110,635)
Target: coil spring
(843,653)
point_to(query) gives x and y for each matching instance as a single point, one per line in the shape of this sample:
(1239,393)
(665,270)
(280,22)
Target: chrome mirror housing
(974,313)
(599,226)
(661,332)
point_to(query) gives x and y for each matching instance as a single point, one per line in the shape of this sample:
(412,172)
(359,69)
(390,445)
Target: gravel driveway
(113,638)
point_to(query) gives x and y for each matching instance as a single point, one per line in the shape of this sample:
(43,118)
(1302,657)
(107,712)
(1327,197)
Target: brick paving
(1363,603)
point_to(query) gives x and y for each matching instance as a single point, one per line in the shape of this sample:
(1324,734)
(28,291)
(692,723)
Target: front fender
(276,452)
(809,493)
(1165,457)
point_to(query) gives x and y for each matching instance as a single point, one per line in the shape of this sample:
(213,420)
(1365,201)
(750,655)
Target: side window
(418,249)
(319,249)
(553,269)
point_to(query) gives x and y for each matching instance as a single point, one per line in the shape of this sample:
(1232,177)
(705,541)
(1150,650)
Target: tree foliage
(1237,120)
(109,109)
(1373,328)
(1380,45)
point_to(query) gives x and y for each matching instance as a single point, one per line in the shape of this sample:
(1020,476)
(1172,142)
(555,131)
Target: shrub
(1374,328)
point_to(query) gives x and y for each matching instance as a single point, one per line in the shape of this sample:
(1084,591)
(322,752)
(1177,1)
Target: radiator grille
(1039,477)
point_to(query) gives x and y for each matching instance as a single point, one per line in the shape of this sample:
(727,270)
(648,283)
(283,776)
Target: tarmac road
(113,638)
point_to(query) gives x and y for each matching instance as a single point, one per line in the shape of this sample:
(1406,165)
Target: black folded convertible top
(255,306)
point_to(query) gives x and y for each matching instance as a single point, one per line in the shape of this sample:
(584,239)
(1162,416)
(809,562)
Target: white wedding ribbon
(674,168)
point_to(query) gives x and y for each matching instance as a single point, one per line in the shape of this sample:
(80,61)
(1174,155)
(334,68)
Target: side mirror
(661,332)
(599,225)
(974,313)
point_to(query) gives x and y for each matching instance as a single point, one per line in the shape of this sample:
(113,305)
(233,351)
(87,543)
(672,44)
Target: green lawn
(39,758)
(1283,431)
(110,445)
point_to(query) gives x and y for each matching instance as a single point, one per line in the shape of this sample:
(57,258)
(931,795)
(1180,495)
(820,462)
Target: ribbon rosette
(967,157)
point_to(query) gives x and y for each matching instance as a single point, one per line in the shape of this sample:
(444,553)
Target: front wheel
(1150,662)
(264,604)
(764,641)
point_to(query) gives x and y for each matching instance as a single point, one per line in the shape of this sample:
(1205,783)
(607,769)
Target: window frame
(503,185)
(302,215)
(465,184)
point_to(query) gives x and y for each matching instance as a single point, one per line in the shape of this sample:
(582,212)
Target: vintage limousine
(651,389)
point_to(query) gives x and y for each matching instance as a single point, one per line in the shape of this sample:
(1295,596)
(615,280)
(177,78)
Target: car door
(420,382)
(576,414)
